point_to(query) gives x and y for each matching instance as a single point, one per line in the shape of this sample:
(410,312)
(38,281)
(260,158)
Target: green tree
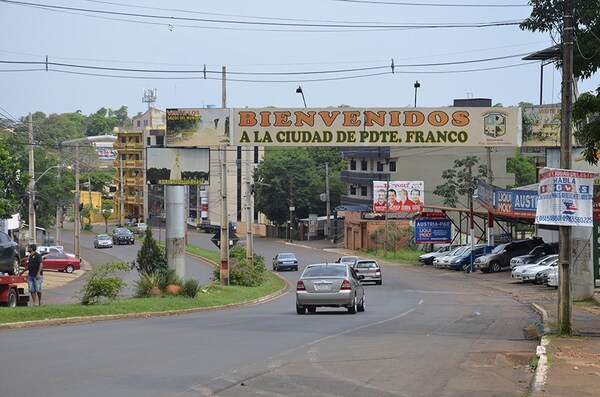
(151,257)
(100,124)
(547,16)
(523,168)
(288,176)
(461,181)
(585,116)
(106,211)
(13,184)
(388,236)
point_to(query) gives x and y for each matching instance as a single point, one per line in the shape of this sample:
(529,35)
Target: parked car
(440,260)
(329,285)
(139,227)
(522,272)
(348,259)
(368,270)
(46,249)
(61,262)
(428,257)
(285,260)
(103,240)
(9,255)
(529,273)
(553,277)
(122,235)
(535,253)
(500,256)
(461,261)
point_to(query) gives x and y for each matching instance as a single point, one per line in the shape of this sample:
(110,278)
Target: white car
(553,277)
(46,249)
(527,273)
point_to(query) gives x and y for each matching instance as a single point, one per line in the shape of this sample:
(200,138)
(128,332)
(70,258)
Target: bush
(151,257)
(190,288)
(240,273)
(103,283)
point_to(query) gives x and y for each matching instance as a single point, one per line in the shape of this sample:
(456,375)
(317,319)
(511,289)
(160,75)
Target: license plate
(322,287)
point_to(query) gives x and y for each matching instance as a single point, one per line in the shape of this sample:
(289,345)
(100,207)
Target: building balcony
(137,182)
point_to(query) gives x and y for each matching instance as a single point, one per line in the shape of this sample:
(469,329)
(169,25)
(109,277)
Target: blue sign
(433,231)
(516,202)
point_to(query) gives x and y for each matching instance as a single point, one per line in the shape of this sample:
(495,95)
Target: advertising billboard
(398,196)
(433,231)
(180,166)
(197,127)
(405,127)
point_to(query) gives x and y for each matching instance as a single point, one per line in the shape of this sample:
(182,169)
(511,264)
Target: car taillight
(300,286)
(346,286)
(377,271)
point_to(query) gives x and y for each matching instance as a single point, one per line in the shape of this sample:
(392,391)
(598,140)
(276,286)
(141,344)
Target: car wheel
(296,268)
(312,309)
(69,268)
(15,267)
(495,267)
(12,298)
(378,282)
(352,307)
(362,305)
(299,309)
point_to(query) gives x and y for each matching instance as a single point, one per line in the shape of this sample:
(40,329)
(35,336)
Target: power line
(449,5)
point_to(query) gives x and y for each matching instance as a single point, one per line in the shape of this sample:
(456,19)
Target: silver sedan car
(329,285)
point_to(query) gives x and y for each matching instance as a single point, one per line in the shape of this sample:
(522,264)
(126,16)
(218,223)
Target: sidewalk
(568,366)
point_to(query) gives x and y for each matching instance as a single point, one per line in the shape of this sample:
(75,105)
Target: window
(160,141)
(363,165)
(148,141)
(379,166)
(353,164)
(145,123)
(353,190)
(363,190)
(138,123)
(392,166)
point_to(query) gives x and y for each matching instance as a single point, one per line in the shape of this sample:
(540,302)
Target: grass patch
(587,302)
(212,295)
(533,362)
(407,256)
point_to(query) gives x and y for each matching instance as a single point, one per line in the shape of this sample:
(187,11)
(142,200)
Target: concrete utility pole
(564,232)
(32,225)
(250,211)
(328,202)
(224,242)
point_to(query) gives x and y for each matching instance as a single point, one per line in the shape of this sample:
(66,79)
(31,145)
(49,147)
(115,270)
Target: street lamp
(417,85)
(299,91)
(32,218)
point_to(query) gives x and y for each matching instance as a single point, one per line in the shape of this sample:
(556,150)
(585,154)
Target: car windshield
(104,237)
(499,249)
(287,256)
(122,231)
(546,260)
(348,259)
(325,271)
(461,251)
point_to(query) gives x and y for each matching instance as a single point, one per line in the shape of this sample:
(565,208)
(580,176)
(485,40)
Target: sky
(106,53)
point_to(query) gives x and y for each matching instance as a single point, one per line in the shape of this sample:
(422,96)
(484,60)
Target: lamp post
(299,91)
(417,86)
(32,215)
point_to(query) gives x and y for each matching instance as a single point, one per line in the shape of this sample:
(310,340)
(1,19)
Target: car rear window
(325,271)
(366,265)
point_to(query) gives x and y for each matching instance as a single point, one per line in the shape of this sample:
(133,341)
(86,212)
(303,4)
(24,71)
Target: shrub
(190,288)
(173,289)
(240,273)
(151,257)
(145,284)
(103,283)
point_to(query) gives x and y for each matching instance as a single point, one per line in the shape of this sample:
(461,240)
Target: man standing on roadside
(36,274)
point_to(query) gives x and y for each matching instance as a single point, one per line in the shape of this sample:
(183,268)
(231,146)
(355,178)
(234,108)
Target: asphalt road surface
(423,334)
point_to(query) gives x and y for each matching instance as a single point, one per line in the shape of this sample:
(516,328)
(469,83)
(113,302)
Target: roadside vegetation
(158,289)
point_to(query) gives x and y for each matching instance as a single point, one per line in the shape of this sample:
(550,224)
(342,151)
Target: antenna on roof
(149,96)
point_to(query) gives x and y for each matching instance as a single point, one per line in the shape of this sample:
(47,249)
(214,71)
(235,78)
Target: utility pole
(564,232)
(32,225)
(224,242)
(249,212)
(328,202)
(76,220)
(122,191)
(387,208)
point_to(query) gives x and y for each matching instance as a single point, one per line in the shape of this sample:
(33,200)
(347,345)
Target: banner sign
(398,196)
(485,195)
(428,231)
(596,233)
(399,127)
(197,127)
(516,202)
(541,125)
(565,198)
(181,166)
(313,224)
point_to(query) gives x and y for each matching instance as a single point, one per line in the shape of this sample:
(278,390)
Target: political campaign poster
(565,198)
(398,196)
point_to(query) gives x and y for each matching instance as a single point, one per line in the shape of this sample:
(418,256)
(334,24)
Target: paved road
(424,333)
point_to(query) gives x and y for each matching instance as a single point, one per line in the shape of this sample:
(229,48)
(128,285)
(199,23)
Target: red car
(57,261)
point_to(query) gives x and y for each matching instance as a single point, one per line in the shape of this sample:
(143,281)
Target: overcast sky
(339,51)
